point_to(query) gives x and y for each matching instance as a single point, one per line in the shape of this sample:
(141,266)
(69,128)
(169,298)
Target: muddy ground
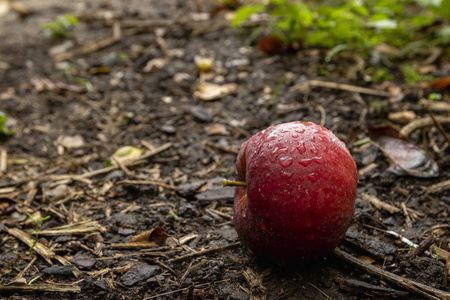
(72,107)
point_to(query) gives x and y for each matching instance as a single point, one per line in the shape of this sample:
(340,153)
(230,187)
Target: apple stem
(227,182)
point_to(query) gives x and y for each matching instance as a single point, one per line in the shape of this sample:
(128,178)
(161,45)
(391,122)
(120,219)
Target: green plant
(3,128)
(62,27)
(355,26)
(412,76)
(437,251)
(36,231)
(379,74)
(71,73)
(172,215)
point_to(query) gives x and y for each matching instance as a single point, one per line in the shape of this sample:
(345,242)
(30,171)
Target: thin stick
(204,252)
(347,87)
(128,163)
(22,273)
(227,182)
(320,291)
(419,123)
(147,182)
(438,125)
(408,284)
(64,288)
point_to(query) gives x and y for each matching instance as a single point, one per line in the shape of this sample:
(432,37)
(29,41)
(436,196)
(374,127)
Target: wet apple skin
(300,194)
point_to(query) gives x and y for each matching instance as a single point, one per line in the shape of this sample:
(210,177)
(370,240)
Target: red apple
(300,192)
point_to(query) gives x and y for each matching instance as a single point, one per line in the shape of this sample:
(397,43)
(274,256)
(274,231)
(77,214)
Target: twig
(439,187)
(438,125)
(22,273)
(408,284)
(322,114)
(344,87)
(319,290)
(186,288)
(423,246)
(54,287)
(419,123)
(148,182)
(188,270)
(132,162)
(446,270)
(380,204)
(204,252)
(407,217)
(257,289)
(3,161)
(86,226)
(229,149)
(39,248)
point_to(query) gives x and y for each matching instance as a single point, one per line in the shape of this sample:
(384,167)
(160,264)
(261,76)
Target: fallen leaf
(376,132)
(367,259)
(217,129)
(402,117)
(70,142)
(58,192)
(209,91)
(157,235)
(22,10)
(441,83)
(407,159)
(271,44)
(42,85)
(155,64)
(125,153)
(5,7)
(203,64)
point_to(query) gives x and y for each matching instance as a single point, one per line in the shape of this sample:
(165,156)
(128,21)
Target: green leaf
(3,129)
(444,33)
(245,12)
(383,24)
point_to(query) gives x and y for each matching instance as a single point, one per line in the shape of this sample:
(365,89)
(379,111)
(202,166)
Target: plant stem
(227,182)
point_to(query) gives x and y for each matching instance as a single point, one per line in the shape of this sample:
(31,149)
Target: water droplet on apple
(285,175)
(313,139)
(313,177)
(314,150)
(301,148)
(305,162)
(294,135)
(325,149)
(269,145)
(286,161)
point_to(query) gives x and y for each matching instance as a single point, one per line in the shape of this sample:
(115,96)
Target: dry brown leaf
(70,142)
(5,7)
(155,64)
(442,83)
(157,235)
(218,129)
(42,85)
(367,259)
(271,44)
(402,117)
(209,91)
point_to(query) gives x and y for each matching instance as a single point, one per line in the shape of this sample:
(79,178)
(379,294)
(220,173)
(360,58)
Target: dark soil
(131,104)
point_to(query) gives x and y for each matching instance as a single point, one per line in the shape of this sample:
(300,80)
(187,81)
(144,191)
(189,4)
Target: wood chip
(380,204)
